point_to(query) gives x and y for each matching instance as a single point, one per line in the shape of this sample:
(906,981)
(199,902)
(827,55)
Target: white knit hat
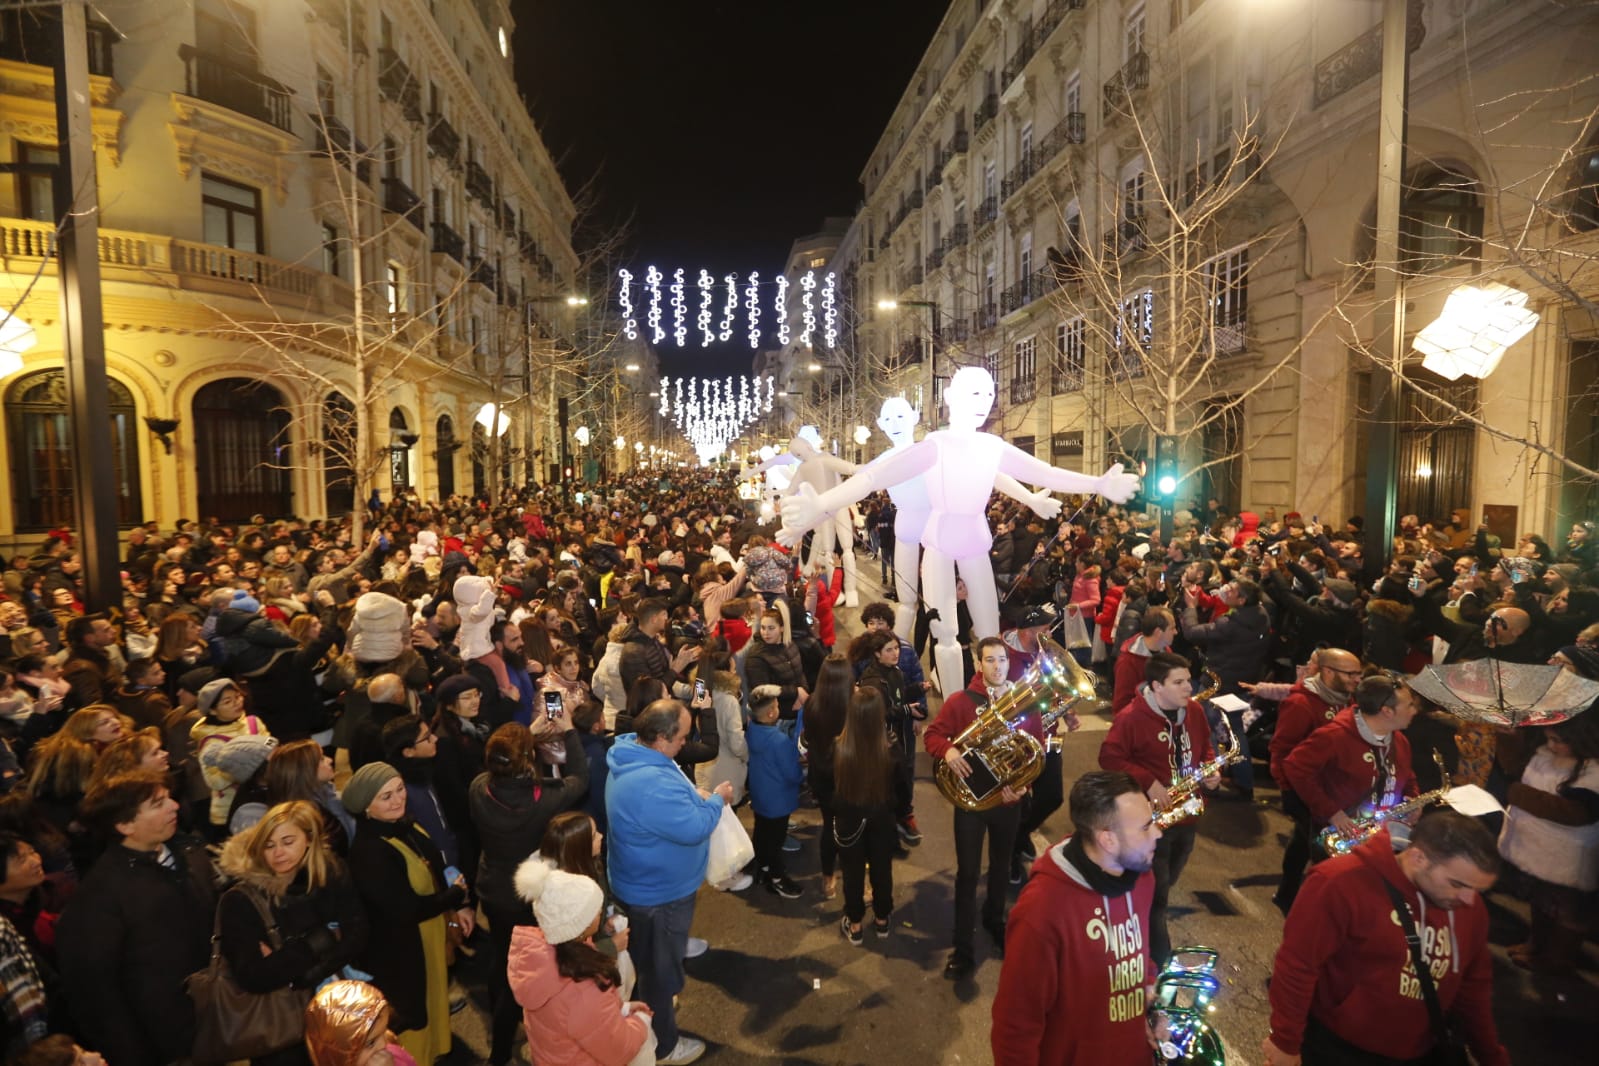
(565,904)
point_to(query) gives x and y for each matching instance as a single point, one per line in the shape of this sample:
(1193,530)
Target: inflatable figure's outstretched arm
(805,510)
(1114,484)
(838,466)
(1042,503)
(780,459)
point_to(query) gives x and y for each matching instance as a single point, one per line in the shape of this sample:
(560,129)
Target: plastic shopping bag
(731,849)
(1075,631)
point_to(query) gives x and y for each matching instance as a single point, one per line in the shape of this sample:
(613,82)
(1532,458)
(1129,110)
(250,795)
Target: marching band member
(1345,988)
(1158,738)
(1073,988)
(1360,761)
(998,823)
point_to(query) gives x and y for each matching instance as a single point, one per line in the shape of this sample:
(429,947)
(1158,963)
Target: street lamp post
(574,302)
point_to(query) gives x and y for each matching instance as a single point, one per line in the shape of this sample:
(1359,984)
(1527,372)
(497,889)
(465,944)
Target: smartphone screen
(699,689)
(552,705)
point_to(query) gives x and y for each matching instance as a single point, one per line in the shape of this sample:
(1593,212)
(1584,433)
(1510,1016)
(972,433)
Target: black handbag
(1449,1051)
(232,1024)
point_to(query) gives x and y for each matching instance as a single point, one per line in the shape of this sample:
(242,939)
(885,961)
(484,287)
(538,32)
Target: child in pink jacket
(580,1020)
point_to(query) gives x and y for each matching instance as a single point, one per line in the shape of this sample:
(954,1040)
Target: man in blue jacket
(659,845)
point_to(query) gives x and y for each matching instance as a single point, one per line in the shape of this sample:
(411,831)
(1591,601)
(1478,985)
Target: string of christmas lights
(819,311)
(625,301)
(652,282)
(703,319)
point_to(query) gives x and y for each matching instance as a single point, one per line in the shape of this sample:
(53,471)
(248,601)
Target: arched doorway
(444,438)
(338,440)
(241,430)
(400,440)
(42,452)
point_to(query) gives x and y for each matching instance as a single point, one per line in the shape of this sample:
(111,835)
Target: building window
(1133,32)
(35,192)
(327,95)
(1024,258)
(331,263)
(1227,276)
(819,262)
(1440,221)
(42,492)
(1074,94)
(1070,356)
(1024,373)
(1134,332)
(395,290)
(232,213)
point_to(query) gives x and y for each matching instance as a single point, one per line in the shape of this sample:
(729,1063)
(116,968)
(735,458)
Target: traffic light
(1166,470)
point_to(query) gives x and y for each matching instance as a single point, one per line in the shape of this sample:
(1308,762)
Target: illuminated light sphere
(1478,324)
(16,337)
(493,420)
(1166,485)
(862,435)
(581,435)
(638,446)
(620,442)
(766,452)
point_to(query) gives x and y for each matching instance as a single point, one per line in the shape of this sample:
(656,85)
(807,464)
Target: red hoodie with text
(1073,988)
(1336,769)
(1142,742)
(1300,714)
(1344,962)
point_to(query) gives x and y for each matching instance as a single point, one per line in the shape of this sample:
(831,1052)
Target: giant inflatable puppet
(958,467)
(897,419)
(821,472)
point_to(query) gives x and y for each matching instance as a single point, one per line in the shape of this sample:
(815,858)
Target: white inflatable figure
(958,467)
(821,473)
(898,420)
(474,602)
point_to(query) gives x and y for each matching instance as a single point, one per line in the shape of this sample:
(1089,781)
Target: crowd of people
(323,768)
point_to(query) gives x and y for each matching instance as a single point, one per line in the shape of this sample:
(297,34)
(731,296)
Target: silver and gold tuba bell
(1000,752)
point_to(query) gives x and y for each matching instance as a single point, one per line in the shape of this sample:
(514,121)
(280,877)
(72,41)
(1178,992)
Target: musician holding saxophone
(999,823)
(1359,763)
(1159,738)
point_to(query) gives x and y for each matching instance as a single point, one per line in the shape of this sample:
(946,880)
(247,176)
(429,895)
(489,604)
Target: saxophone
(1002,753)
(1186,797)
(1334,842)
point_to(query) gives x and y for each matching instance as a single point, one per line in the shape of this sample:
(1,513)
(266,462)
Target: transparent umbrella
(1507,694)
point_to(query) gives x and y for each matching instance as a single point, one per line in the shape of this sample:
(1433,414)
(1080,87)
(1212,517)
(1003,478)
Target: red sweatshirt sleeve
(1472,1009)
(1129,672)
(952,718)
(1313,932)
(1116,753)
(1028,995)
(1300,768)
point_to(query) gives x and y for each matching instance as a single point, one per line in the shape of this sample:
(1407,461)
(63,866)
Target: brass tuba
(1003,754)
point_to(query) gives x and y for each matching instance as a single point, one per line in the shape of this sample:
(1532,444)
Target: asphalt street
(780,985)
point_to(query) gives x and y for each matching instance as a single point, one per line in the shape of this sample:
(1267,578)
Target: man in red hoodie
(999,824)
(1074,985)
(1157,628)
(1159,737)
(1309,705)
(1358,763)
(1344,988)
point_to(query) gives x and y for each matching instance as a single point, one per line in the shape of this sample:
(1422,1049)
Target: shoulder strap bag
(232,1024)
(1448,1051)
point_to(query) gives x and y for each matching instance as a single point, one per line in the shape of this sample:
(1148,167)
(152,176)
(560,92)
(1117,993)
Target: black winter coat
(644,656)
(286,695)
(310,950)
(511,815)
(131,935)
(776,664)
(395,912)
(1236,644)
(248,642)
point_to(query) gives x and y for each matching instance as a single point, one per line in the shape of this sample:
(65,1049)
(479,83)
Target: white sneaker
(737,883)
(696,948)
(688,1049)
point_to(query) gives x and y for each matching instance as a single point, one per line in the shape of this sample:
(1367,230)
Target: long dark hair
(1581,734)
(861,756)
(578,960)
(825,711)
(569,843)
(864,648)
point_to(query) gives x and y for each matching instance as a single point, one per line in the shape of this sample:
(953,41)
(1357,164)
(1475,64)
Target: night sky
(716,131)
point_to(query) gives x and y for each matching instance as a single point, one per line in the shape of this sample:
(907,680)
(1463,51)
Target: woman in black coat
(774,660)
(512,804)
(401,878)
(283,863)
(285,693)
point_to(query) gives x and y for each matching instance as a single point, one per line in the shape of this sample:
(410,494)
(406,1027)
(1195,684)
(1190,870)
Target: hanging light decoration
(1478,324)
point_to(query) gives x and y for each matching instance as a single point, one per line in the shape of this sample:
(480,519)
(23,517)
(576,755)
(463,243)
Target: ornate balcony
(398,199)
(398,85)
(935,178)
(935,259)
(958,144)
(988,110)
(483,272)
(335,141)
(1069,130)
(479,185)
(219,80)
(443,141)
(448,242)
(34,36)
(959,234)
(985,318)
(1133,75)
(1035,286)
(910,277)
(987,211)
